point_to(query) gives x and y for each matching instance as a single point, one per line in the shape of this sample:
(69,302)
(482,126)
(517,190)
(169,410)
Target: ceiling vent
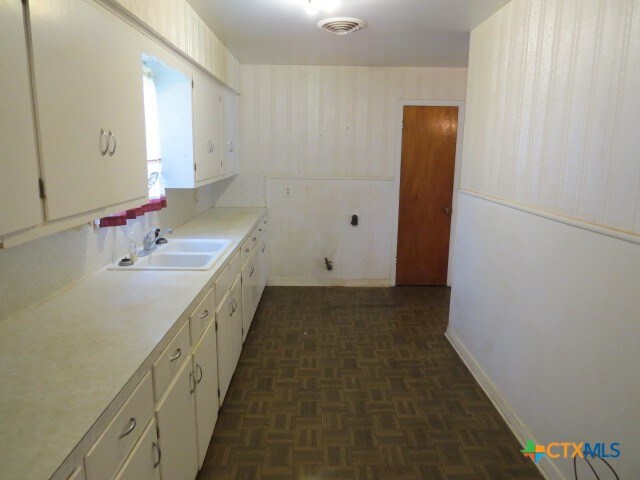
(341,26)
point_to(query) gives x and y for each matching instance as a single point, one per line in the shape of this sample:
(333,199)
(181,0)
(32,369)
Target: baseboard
(327,282)
(547,468)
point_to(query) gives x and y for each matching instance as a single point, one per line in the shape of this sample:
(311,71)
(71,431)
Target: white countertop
(65,361)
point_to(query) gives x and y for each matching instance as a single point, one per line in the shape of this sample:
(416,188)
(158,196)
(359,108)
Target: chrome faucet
(149,241)
(152,240)
(160,240)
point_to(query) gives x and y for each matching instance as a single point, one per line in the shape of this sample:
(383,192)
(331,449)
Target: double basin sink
(181,254)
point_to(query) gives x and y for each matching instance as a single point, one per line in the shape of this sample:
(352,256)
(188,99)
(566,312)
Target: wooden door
(426,193)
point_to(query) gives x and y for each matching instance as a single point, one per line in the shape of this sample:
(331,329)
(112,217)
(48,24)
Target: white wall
(315,222)
(332,123)
(553,109)
(545,307)
(178,23)
(546,314)
(313,121)
(35,271)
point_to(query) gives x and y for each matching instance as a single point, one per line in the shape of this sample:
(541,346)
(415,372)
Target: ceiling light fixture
(314,6)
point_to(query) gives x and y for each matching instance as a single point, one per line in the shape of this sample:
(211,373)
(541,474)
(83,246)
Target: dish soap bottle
(133,249)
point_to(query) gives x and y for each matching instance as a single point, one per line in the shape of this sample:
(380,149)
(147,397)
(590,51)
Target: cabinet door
(80,51)
(226,350)
(249,281)
(125,115)
(78,474)
(263,262)
(176,419)
(20,205)
(68,38)
(231,132)
(207,129)
(236,319)
(205,358)
(144,461)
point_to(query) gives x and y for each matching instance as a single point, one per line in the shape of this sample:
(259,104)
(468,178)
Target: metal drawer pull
(198,368)
(205,314)
(252,270)
(176,356)
(246,250)
(115,143)
(132,426)
(231,308)
(103,134)
(235,304)
(195,383)
(157,448)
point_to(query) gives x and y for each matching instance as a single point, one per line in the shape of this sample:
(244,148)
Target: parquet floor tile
(357,384)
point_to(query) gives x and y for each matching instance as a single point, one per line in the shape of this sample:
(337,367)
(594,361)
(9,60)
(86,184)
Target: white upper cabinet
(195,121)
(230,133)
(207,122)
(88,77)
(20,205)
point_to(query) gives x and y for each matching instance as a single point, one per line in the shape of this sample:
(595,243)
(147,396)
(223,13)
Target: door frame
(456,179)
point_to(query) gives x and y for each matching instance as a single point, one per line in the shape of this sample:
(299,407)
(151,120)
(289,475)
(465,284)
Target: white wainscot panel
(314,222)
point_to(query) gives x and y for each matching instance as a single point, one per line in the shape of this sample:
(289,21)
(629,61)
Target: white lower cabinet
(263,267)
(78,474)
(176,417)
(250,274)
(188,381)
(114,445)
(205,365)
(229,321)
(144,461)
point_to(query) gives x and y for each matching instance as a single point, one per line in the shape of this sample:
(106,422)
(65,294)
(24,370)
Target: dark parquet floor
(357,384)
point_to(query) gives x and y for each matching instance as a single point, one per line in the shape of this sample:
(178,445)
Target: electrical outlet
(287,191)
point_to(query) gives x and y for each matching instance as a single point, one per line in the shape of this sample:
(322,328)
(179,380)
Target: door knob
(447,210)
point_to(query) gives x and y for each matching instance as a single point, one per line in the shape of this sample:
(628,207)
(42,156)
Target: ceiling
(417,33)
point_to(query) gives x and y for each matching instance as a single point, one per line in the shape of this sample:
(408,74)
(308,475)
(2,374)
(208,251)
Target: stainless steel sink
(181,254)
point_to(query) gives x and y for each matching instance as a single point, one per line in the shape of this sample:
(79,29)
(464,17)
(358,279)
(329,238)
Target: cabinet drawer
(201,317)
(170,361)
(144,461)
(225,280)
(112,448)
(250,244)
